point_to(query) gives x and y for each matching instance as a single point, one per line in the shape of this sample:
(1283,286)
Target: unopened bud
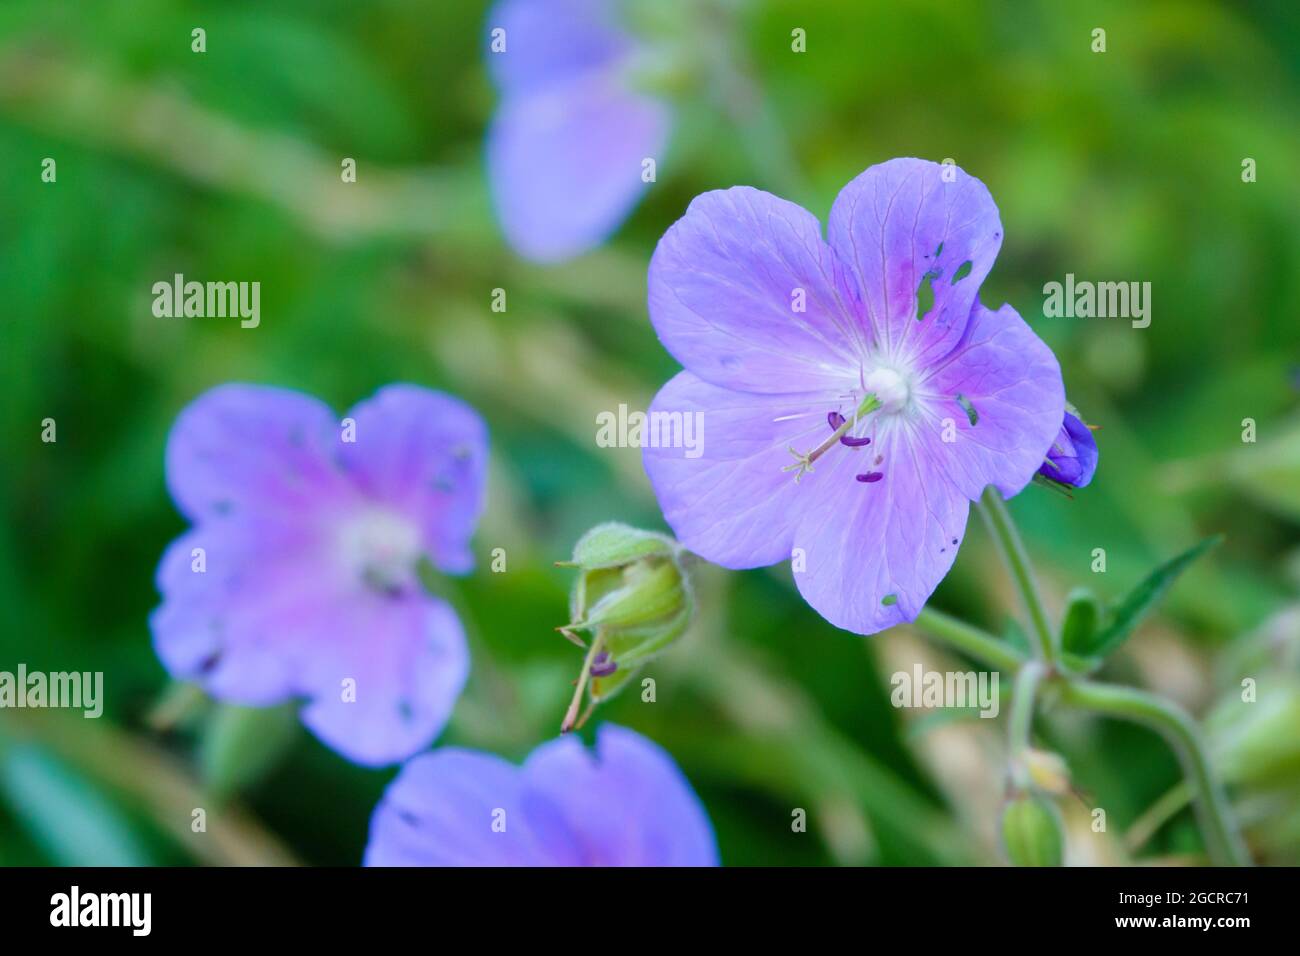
(1032,834)
(632,598)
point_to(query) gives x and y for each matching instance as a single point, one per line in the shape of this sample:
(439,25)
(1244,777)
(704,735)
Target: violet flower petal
(896,536)
(1012,380)
(726,281)
(733,504)
(887,226)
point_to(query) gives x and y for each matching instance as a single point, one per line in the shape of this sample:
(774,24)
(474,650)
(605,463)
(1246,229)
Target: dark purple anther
(871,476)
(836,421)
(602,666)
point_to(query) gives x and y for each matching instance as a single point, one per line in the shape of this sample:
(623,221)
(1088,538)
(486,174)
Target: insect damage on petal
(968,408)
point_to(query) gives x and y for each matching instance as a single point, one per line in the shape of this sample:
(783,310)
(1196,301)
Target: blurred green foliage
(1124,165)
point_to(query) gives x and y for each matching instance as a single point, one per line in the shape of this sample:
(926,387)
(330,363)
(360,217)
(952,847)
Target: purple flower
(778,329)
(1072,459)
(298,577)
(627,804)
(566,145)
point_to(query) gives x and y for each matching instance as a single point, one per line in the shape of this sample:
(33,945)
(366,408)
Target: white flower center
(380,548)
(891,388)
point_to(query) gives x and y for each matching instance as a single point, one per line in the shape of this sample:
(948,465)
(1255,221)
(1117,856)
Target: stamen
(871,476)
(804,460)
(602,666)
(836,420)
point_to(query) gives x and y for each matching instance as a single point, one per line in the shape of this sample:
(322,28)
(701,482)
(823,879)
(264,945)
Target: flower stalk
(970,640)
(1024,696)
(1214,814)
(1012,549)
(1219,826)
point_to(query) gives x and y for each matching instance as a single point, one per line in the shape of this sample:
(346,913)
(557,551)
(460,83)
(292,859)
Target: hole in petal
(968,408)
(962,272)
(925,293)
(889,600)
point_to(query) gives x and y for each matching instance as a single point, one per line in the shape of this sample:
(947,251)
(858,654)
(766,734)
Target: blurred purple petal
(302,581)
(409,661)
(238,447)
(626,804)
(424,454)
(566,162)
(548,42)
(457,807)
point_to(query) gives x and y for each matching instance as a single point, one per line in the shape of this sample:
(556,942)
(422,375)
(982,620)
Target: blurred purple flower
(627,804)
(1072,459)
(792,343)
(566,145)
(310,534)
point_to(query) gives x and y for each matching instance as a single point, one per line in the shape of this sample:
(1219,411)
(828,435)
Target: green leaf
(242,744)
(1082,616)
(1128,613)
(71,820)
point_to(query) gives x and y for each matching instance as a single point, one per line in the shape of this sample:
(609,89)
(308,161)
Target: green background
(1123,166)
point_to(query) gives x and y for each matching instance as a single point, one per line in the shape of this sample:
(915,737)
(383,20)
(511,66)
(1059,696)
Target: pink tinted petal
(425,454)
(228,588)
(565,162)
(627,803)
(733,504)
(456,807)
(239,447)
(550,41)
(888,225)
(1012,380)
(869,540)
(409,661)
(726,282)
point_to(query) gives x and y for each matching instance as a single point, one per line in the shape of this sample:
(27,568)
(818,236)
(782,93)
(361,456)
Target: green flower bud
(632,598)
(1032,834)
